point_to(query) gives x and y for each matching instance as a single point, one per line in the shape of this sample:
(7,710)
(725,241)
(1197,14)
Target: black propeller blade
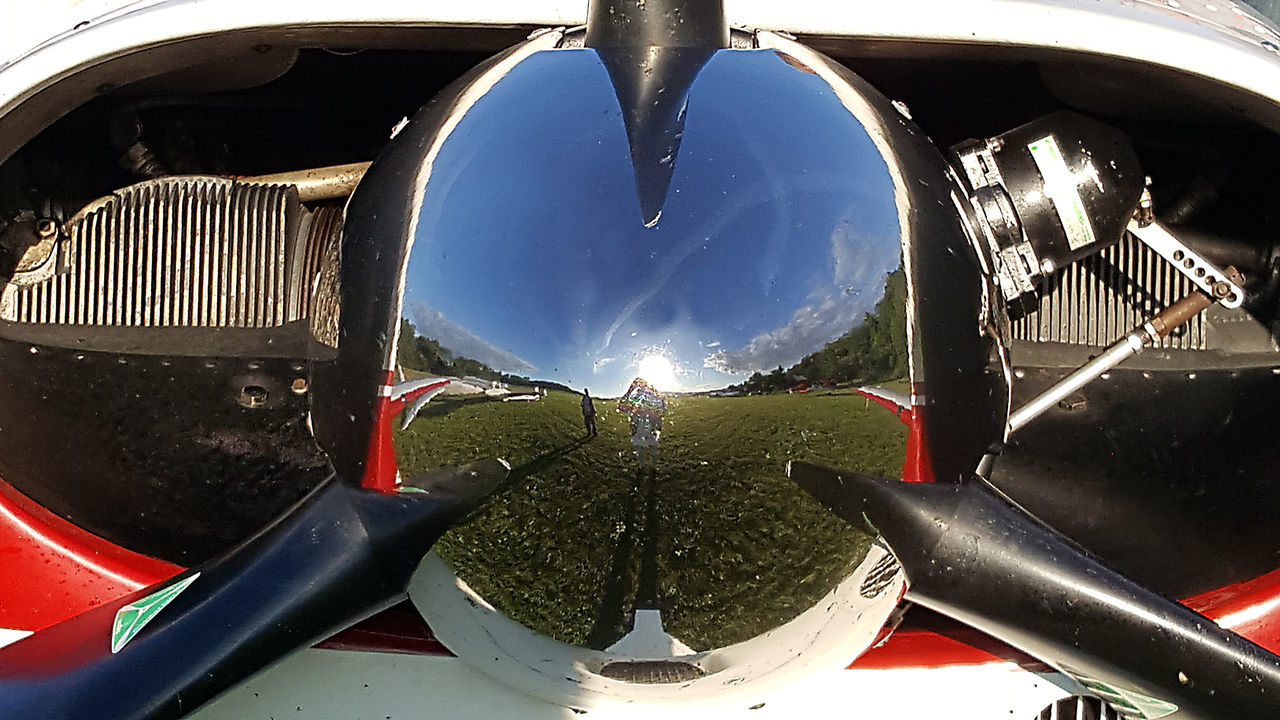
(340,555)
(972,554)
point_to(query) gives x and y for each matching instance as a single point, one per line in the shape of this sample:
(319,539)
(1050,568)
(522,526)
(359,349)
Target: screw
(299,386)
(1222,290)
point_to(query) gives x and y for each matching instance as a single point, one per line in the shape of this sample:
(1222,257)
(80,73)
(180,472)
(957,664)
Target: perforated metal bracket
(1216,282)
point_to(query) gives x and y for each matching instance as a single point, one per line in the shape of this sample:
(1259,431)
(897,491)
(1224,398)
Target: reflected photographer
(645,405)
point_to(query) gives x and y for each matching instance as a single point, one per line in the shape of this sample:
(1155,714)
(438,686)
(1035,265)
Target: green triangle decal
(131,618)
(1129,702)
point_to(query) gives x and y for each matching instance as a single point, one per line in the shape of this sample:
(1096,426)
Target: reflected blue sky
(531,256)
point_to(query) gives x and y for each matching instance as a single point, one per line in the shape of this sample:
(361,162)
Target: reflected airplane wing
(417,393)
(413,395)
(909,409)
(895,401)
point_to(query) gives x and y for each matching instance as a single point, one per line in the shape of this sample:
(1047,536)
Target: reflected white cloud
(810,329)
(838,306)
(463,343)
(769,193)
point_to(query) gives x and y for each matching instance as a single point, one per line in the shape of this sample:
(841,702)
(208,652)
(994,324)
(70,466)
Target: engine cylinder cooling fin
(1079,707)
(1097,299)
(177,252)
(320,273)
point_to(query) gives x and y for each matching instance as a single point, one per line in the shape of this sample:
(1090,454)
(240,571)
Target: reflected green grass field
(717,538)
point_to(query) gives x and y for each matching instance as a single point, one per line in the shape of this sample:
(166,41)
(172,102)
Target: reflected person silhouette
(645,405)
(589,413)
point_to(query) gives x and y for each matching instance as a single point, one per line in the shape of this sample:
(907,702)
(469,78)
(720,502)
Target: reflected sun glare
(658,372)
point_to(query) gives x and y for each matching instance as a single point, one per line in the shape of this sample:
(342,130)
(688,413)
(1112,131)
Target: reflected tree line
(874,351)
(421,353)
(426,355)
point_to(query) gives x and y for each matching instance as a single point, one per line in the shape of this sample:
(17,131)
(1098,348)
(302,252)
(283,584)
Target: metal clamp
(1216,282)
(1016,265)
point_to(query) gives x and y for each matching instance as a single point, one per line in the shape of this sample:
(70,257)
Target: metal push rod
(1131,344)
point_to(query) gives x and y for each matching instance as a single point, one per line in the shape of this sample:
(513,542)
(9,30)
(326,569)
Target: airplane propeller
(971,553)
